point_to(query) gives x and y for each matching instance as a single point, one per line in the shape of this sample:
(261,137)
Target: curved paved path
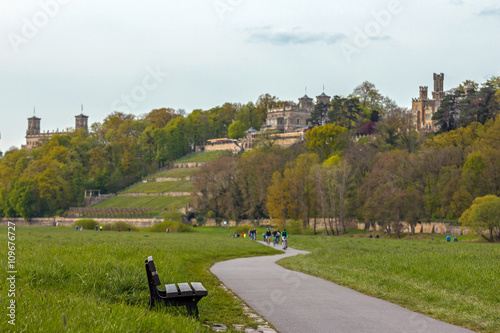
(296,302)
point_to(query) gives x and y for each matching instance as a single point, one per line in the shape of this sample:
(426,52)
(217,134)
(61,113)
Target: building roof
(252,130)
(323,95)
(306,97)
(82,115)
(35,117)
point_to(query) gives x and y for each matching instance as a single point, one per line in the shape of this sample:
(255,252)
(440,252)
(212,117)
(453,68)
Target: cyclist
(268,236)
(277,237)
(284,239)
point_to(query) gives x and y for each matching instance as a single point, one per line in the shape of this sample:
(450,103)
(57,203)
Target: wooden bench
(181,294)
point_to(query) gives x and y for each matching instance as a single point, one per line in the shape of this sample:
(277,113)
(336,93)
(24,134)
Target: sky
(134,56)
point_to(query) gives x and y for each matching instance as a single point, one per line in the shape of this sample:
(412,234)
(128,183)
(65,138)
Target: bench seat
(180,294)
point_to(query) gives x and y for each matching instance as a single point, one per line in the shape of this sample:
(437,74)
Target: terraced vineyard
(158,195)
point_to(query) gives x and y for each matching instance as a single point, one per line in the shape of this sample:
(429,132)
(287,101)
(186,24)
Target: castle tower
(81,122)
(323,98)
(33,126)
(438,93)
(305,102)
(424,93)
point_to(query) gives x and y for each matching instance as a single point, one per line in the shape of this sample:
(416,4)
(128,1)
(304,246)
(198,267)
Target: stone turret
(81,122)
(323,98)
(438,93)
(424,93)
(306,102)
(33,126)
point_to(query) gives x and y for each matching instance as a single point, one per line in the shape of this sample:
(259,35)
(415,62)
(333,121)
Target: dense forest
(363,160)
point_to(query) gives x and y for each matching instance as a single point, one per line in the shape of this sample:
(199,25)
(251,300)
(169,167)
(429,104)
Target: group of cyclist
(276,236)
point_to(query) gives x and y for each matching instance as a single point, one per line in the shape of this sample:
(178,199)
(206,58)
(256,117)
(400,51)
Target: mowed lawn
(155,203)
(161,187)
(455,282)
(89,281)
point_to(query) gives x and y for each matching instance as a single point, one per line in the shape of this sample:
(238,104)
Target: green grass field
(176,173)
(202,157)
(96,281)
(455,282)
(157,204)
(161,187)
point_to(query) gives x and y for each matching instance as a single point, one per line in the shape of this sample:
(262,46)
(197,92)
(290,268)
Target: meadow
(89,281)
(95,281)
(455,282)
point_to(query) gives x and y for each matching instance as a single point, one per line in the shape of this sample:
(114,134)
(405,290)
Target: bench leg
(193,309)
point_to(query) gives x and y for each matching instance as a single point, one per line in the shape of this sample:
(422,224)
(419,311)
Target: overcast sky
(134,56)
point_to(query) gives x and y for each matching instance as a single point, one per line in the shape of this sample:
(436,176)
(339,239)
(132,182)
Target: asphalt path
(296,302)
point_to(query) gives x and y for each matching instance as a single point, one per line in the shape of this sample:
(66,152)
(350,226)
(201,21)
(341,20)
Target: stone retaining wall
(171,179)
(186,165)
(425,227)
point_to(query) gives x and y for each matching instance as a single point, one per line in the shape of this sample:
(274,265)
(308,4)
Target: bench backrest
(151,272)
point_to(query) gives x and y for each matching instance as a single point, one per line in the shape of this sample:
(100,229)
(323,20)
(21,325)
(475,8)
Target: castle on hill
(35,137)
(292,117)
(424,108)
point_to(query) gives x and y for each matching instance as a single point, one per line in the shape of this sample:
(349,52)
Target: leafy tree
(237,130)
(277,198)
(484,215)
(255,172)
(319,116)
(247,114)
(325,140)
(159,118)
(369,96)
(264,102)
(345,112)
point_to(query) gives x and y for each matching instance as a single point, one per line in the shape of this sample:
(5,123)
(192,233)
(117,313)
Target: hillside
(164,192)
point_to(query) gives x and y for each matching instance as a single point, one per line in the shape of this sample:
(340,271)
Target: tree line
(394,174)
(118,152)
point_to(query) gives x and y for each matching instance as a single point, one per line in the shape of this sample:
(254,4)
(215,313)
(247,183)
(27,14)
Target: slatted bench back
(152,270)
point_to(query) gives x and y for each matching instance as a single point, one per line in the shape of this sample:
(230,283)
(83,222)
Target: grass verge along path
(454,282)
(87,281)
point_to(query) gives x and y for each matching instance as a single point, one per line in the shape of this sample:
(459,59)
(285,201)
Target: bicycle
(285,243)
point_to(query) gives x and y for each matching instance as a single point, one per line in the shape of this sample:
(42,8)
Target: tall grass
(455,282)
(98,282)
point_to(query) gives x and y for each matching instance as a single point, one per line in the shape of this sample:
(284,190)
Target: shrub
(120,225)
(295,228)
(175,226)
(242,229)
(88,224)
